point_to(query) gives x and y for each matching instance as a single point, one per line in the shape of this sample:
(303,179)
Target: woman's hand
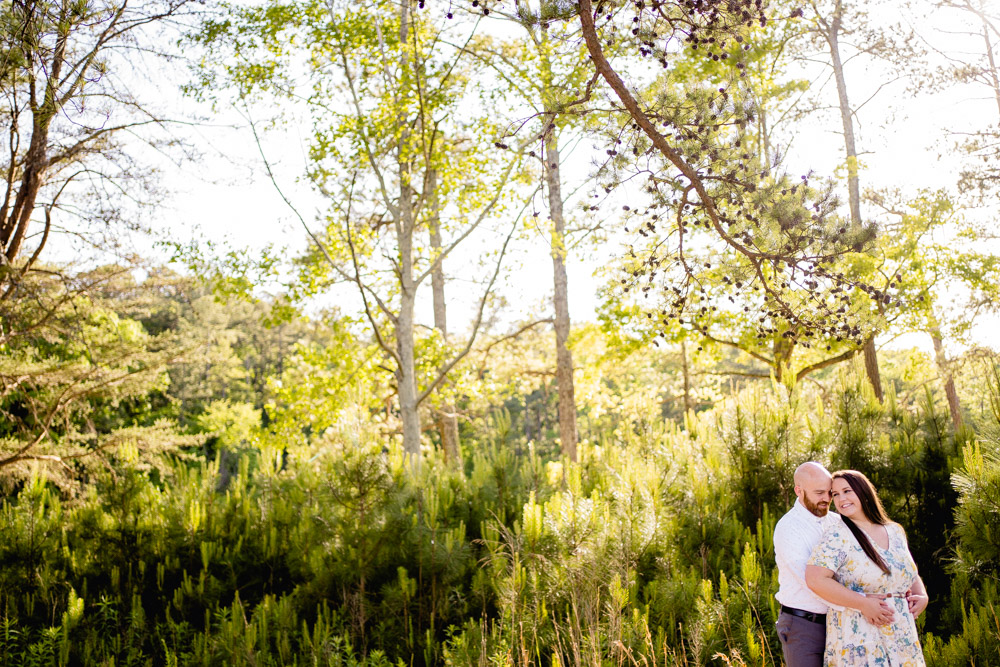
(822,583)
(917,603)
(916,597)
(875,611)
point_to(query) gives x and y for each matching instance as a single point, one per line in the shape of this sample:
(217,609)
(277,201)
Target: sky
(225,196)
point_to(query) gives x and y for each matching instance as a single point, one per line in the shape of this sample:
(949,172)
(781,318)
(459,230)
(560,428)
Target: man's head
(812,486)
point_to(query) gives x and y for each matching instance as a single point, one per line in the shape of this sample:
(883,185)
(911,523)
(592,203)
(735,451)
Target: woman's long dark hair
(871,507)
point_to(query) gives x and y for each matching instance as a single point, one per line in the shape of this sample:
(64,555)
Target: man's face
(815,495)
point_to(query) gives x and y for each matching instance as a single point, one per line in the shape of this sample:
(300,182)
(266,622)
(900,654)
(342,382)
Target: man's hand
(917,603)
(876,612)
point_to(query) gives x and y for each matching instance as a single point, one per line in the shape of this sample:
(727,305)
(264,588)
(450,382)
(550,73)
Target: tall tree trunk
(406,373)
(782,349)
(871,368)
(560,295)
(832,34)
(560,299)
(446,418)
(954,407)
(853,181)
(14,228)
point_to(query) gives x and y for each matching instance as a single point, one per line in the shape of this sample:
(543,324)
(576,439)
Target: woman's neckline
(871,538)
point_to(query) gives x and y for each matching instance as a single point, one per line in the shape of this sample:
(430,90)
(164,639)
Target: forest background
(370,426)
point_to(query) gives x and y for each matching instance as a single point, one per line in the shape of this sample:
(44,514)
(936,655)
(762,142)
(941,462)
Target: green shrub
(655,549)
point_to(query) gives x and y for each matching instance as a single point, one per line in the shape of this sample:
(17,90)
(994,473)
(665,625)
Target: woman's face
(845,500)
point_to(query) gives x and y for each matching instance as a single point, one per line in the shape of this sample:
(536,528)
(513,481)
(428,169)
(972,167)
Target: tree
(70,111)
(446,416)
(775,98)
(947,282)
(389,152)
(67,107)
(235,346)
(981,175)
(73,372)
(551,79)
(829,24)
(775,241)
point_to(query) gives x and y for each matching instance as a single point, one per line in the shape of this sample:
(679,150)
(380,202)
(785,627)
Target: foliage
(656,546)
(75,375)
(195,472)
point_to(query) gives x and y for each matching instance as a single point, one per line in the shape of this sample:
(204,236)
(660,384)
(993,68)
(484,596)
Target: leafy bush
(656,548)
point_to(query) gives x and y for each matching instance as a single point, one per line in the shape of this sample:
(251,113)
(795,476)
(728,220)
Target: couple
(848,587)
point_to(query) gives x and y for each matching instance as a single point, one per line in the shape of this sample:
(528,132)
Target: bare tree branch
(443,371)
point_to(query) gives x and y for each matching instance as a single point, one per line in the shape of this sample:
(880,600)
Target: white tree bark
(560,300)
(445,416)
(406,369)
(831,32)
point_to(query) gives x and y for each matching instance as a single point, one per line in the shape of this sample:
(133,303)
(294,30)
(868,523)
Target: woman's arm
(917,598)
(820,580)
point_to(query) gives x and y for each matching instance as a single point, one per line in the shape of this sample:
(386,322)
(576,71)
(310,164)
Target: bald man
(802,622)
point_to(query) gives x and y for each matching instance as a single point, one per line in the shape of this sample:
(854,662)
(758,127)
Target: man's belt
(802,613)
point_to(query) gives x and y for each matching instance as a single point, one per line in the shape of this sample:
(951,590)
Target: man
(802,622)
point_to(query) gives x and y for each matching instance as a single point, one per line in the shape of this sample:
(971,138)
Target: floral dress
(850,639)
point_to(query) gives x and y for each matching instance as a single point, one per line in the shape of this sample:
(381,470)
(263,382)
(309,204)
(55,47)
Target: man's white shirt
(795,536)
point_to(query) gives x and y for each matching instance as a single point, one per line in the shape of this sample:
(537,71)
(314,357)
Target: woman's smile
(844,498)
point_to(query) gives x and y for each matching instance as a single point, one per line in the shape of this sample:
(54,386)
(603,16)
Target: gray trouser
(802,641)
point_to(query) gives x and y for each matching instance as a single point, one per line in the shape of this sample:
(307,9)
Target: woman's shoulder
(896,528)
(835,529)
(833,521)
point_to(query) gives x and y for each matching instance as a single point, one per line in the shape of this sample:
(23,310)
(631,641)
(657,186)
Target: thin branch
(511,336)
(364,299)
(471,227)
(443,372)
(755,355)
(872,96)
(825,363)
(363,288)
(750,374)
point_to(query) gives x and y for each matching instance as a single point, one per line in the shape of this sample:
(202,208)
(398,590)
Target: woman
(866,555)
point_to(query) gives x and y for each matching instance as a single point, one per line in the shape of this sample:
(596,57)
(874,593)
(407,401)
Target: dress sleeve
(902,534)
(906,553)
(830,552)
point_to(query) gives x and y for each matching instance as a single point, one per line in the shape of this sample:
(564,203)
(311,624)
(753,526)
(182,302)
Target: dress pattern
(851,641)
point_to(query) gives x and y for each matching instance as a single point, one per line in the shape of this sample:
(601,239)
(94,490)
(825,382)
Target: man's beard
(815,508)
